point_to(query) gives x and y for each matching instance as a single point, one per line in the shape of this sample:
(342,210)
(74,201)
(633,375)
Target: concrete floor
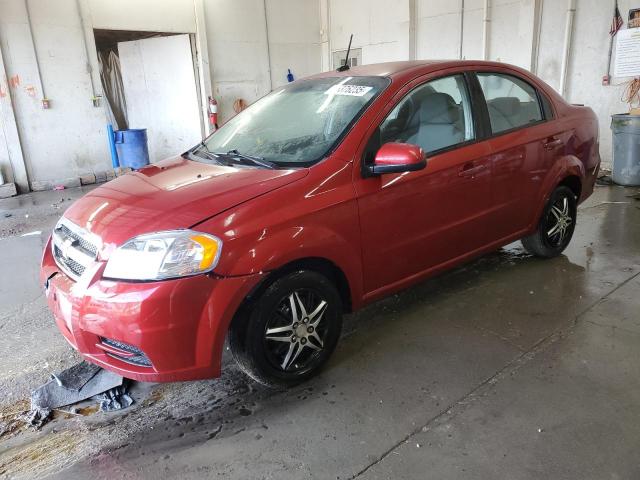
(510,367)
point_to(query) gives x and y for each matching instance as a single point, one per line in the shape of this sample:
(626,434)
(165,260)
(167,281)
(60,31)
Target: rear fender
(564,167)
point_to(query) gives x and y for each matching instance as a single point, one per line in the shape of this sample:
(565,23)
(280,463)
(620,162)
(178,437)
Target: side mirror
(397,158)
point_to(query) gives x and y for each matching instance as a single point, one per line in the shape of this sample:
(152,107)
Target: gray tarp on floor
(80,382)
(52,395)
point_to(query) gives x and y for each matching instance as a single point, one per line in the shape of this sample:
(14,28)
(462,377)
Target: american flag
(617,22)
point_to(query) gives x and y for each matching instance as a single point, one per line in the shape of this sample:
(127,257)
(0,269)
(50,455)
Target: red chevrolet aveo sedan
(323,196)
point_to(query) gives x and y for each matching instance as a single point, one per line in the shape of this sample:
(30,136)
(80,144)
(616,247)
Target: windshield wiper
(201,150)
(234,154)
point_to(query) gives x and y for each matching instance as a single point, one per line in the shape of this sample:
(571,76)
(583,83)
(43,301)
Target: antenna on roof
(345,67)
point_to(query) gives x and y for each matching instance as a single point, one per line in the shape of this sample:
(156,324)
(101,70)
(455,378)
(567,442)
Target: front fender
(293,243)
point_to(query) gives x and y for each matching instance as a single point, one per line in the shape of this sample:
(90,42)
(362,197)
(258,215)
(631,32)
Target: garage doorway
(149,79)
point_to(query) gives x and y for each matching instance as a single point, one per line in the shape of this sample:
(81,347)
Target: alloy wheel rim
(559,222)
(296,331)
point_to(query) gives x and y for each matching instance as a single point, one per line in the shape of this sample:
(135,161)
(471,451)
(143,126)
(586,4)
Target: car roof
(394,69)
(405,71)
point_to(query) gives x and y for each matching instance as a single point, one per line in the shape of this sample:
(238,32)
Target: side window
(546,107)
(434,116)
(512,102)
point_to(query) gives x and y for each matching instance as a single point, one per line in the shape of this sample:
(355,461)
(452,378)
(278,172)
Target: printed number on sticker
(351,90)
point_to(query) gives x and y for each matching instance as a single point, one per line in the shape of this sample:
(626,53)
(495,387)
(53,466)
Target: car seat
(439,123)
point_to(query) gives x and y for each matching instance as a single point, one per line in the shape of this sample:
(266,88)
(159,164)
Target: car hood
(171,194)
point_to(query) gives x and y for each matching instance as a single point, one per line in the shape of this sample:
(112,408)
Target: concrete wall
(146,15)
(246,47)
(527,33)
(237,36)
(294,44)
(587,61)
(69,139)
(382,29)
(379,27)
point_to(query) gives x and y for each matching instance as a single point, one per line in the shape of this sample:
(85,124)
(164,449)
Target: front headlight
(163,255)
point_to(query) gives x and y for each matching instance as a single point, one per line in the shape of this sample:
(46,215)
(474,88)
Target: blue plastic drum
(132,147)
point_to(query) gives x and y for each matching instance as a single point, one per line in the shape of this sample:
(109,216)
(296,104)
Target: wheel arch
(568,171)
(574,183)
(320,265)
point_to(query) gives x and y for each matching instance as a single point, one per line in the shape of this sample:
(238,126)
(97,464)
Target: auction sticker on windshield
(349,90)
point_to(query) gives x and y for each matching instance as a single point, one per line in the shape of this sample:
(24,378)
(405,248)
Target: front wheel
(556,225)
(290,331)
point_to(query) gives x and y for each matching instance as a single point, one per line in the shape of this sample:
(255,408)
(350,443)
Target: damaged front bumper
(161,331)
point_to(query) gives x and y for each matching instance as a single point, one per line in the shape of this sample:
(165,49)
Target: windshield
(299,123)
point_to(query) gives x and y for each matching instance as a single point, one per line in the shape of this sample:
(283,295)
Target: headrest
(439,108)
(507,106)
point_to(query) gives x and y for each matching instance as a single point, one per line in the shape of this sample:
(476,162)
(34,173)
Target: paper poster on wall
(628,53)
(634,18)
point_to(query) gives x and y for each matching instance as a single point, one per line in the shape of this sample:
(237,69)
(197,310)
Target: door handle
(552,143)
(470,170)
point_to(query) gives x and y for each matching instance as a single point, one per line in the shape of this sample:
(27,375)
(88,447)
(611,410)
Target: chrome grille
(72,265)
(74,249)
(83,244)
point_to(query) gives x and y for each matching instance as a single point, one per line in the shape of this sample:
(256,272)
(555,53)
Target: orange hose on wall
(631,92)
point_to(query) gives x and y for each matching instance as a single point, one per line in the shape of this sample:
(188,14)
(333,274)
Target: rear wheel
(556,225)
(290,331)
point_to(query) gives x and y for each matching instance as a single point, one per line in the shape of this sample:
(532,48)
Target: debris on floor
(604,180)
(36,417)
(115,399)
(80,382)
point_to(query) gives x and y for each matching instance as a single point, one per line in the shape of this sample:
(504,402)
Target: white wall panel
(160,87)
(146,15)
(293,43)
(68,139)
(379,27)
(438,29)
(511,31)
(237,38)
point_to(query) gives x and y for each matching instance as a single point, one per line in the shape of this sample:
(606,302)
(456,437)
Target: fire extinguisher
(213,112)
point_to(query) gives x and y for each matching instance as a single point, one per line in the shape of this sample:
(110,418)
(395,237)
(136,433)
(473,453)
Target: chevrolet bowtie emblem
(66,246)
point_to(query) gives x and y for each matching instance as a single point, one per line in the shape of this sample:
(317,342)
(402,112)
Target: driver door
(414,222)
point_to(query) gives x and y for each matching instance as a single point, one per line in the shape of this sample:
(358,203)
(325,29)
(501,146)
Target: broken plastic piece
(36,417)
(115,399)
(76,377)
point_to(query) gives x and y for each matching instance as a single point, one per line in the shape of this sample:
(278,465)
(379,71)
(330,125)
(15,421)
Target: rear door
(414,221)
(523,139)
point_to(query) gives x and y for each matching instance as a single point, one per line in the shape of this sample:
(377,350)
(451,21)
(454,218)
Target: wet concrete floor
(509,367)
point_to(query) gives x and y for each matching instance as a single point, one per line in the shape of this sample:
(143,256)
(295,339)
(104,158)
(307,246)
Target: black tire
(288,356)
(553,234)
